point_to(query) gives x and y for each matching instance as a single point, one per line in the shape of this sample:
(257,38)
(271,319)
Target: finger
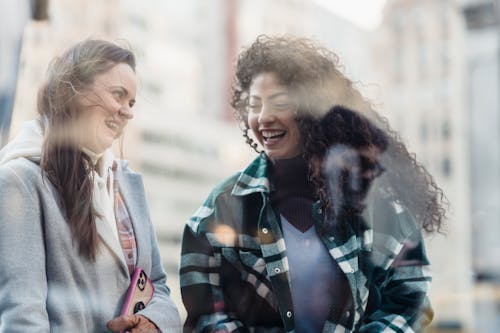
(123,322)
(144,326)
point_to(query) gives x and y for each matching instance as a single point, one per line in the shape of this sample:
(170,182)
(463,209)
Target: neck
(94,157)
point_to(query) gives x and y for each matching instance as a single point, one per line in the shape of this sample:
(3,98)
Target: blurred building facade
(309,19)
(420,49)
(483,51)
(68,22)
(482,86)
(439,71)
(14,19)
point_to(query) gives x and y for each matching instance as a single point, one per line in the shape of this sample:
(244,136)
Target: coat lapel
(106,233)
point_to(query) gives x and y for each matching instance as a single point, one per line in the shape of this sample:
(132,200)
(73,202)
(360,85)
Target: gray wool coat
(45,286)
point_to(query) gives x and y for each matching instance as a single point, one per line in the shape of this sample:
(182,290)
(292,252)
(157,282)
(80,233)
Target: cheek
(252,122)
(95,120)
(92,122)
(294,129)
(112,106)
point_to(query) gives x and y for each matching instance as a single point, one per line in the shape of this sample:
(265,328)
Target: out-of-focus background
(430,66)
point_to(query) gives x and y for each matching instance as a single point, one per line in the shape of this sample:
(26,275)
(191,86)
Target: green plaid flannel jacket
(234,268)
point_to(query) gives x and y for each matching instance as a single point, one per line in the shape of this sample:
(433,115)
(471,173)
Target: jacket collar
(254,178)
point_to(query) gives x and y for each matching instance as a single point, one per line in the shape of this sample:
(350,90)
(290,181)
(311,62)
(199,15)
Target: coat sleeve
(398,295)
(200,280)
(402,304)
(161,310)
(22,256)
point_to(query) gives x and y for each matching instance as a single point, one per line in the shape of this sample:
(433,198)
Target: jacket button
(289,314)
(264,230)
(277,270)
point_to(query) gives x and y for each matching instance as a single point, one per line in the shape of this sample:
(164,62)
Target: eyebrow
(120,87)
(273,96)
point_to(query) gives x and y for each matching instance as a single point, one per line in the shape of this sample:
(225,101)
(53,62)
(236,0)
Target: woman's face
(271,116)
(105,107)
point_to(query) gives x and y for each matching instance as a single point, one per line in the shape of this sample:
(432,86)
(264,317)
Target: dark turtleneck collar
(289,177)
(292,194)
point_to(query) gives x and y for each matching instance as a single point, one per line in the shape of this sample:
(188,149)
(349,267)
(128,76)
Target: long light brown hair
(68,169)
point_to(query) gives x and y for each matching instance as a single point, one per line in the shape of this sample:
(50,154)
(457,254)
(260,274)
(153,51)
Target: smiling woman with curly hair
(309,238)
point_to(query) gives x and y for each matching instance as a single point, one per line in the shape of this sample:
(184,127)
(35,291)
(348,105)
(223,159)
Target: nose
(266,115)
(125,112)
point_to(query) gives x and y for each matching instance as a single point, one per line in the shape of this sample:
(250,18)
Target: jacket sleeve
(200,282)
(22,256)
(161,310)
(402,304)
(398,295)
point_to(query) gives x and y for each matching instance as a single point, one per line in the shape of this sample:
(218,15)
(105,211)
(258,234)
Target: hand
(133,324)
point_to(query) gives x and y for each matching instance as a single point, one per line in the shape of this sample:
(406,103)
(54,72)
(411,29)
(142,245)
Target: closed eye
(282,106)
(254,107)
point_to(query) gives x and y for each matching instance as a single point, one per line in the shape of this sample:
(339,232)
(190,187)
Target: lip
(114,126)
(272,137)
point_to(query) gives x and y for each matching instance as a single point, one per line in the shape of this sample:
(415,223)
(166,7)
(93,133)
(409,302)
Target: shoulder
(22,188)
(220,195)
(224,204)
(126,176)
(390,220)
(20,173)
(123,166)
(226,186)
(223,191)
(20,165)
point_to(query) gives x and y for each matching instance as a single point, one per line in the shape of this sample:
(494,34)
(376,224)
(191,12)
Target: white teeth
(112,125)
(271,133)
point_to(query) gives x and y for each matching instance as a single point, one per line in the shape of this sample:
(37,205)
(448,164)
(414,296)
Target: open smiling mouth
(272,135)
(112,125)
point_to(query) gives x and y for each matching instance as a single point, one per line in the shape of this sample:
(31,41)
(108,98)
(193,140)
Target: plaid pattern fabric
(124,226)
(234,270)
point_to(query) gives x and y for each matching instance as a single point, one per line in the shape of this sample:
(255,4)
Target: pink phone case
(139,293)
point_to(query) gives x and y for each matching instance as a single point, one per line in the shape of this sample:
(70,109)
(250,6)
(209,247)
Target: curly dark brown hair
(342,132)
(313,76)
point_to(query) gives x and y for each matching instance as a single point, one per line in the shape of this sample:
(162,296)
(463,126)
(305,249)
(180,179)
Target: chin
(272,156)
(107,143)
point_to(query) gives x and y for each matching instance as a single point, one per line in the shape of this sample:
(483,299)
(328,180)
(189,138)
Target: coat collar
(254,178)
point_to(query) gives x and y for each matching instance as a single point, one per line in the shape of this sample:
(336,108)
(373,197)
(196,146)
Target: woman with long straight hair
(74,223)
